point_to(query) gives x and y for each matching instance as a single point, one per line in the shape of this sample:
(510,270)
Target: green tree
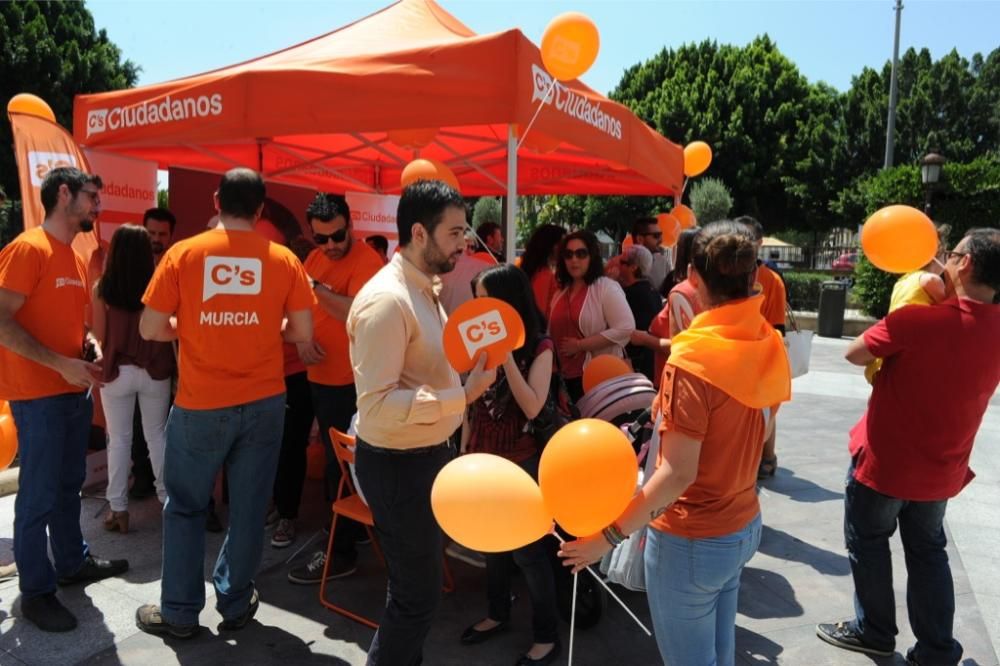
(52,49)
(487,209)
(710,200)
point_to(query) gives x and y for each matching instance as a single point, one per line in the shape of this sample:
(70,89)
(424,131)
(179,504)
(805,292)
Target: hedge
(803,289)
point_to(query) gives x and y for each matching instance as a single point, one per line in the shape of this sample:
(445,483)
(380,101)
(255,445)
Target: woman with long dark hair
(589,315)
(541,255)
(726,375)
(133,367)
(497,424)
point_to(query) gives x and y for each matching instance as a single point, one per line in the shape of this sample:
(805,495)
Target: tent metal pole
(511,194)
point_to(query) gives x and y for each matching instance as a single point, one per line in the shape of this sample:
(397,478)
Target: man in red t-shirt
(910,452)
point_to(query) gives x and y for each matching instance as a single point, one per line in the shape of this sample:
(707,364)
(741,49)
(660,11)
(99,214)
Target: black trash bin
(832,302)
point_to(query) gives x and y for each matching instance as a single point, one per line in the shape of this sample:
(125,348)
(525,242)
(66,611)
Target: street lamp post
(930,174)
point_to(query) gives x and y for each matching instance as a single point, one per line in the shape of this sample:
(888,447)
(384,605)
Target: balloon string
(572,618)
(544,101)
(613,595)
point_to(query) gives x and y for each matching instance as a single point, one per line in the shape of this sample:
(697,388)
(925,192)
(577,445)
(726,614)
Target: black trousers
(334,406)
(291,473)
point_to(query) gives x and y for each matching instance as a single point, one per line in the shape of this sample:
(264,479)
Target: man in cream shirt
(410,405)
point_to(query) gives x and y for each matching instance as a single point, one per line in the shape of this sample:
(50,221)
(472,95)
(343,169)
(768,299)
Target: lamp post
(930,174)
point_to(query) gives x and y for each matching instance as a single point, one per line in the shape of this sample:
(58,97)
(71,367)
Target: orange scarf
(733,348)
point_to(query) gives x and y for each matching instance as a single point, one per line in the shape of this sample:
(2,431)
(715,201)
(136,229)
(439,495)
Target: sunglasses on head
(338,236)
(579,253)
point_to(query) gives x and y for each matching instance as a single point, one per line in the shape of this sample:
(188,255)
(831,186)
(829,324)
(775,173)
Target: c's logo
(482,331)
(97,121)
(231,275)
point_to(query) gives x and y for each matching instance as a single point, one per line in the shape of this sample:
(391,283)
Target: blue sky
(829,40)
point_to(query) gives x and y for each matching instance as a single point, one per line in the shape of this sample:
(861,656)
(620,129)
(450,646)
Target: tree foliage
(51,49)
(487,209)
(710,200)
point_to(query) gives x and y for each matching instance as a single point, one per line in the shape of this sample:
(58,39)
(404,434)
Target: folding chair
(348,503)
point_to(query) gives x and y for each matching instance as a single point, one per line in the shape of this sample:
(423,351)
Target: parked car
(845,262)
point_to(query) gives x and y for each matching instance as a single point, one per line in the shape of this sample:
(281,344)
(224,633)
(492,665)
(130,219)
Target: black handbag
(558,409)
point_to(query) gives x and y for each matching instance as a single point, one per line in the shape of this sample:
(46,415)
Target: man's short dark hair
(487,229)
(756,228)
(424,202)
(380,242)
(326,207)
(641,226)
(160,215)
(241,193)
(72,178)
(983,246)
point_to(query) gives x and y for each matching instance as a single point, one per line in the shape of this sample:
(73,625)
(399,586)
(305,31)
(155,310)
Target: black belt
(419,451)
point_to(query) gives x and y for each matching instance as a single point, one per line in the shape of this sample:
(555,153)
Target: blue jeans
(247,440)
(693,586)
(52,436)
(870,519)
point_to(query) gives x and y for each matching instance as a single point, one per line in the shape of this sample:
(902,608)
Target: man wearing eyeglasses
(910,452)
(44,375)
(339,267)
(646,232)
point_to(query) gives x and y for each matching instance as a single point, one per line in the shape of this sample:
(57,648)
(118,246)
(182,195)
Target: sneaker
(237,623)
(212,522)
(363,540)
(284,534)
(463,554)
(149,619)
(272,518)
(94,568)
(311,572)
(47,613)
(843,635)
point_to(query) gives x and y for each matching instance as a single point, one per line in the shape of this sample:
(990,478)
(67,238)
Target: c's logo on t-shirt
(231,275)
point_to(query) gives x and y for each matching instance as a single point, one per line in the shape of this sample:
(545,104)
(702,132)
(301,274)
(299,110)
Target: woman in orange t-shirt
(724,379)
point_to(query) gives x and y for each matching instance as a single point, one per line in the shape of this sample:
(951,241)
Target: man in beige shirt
(410,405)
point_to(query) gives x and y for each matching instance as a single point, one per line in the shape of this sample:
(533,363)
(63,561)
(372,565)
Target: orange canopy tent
(349,109)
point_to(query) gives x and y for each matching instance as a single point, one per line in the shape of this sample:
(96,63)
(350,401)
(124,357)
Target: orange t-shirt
(773,307)
(723,498)
(344,277)
(230,291)
(545,287)
(51,277)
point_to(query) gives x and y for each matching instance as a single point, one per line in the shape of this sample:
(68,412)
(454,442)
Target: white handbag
(798,344)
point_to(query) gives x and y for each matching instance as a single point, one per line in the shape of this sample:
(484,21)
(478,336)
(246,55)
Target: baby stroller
(626,402)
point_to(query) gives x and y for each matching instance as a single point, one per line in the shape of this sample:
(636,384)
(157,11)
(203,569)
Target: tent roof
(318,114)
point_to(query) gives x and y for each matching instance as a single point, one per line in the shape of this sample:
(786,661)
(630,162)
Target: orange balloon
(899,239)
(588,474)
(670,227)
(427,169)
(489,504)
(685,216)
(412,138)
(31,105)
(601,369)
(697,157)
(628,242)
(482,324)
(8,436)
(570,45)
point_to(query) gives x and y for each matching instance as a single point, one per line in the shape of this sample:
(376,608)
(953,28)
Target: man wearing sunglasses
(48,382)
(646,232)
(339,267)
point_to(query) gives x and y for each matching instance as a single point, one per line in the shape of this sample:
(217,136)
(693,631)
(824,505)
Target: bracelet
(613,536)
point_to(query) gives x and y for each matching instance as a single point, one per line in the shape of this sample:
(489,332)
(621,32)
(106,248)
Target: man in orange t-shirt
(48,382)
(339,267)
(224,294)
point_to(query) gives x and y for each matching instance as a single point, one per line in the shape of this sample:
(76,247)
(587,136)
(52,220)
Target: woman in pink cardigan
(589,315)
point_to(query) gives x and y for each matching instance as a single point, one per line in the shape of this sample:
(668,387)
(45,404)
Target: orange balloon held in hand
(482,324)
(899,239)
(30,105)
(685,216)
(670,227)
(427,169)
(601,369)
(570,45)
(8,436)
(697,157)
(588,474)
(489,504)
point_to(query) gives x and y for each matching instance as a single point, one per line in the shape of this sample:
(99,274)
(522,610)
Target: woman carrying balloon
(496,424)
(589,315)
(726,375)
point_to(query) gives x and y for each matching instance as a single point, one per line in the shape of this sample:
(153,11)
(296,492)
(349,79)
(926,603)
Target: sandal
(767,468)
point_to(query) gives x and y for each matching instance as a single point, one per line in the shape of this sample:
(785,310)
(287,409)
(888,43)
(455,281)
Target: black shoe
(552,655)
(844,636)
(311,573)
(473,636)
(94,568)
(142,488)
(237,623)
(212,522)
(47,613)
(149,619)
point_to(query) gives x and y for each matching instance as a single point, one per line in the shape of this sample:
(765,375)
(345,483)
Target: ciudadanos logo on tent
(573,104)
(167,110)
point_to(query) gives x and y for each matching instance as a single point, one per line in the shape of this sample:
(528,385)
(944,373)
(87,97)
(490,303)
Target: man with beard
(410,405)
(160,223)
(48,366)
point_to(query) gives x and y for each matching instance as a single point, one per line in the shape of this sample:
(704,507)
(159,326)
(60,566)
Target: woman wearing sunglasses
(589,315)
